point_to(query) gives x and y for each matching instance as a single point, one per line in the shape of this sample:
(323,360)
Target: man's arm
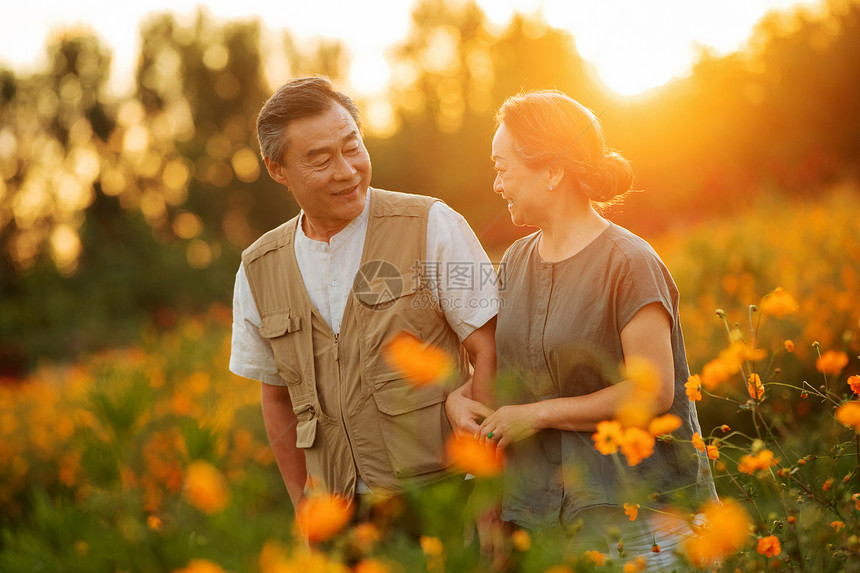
(281,421)
(481,346)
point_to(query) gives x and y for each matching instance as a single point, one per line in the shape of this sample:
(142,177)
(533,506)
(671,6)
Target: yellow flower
(837,525)
(761,461)
(321,516)
(200,566)
(778,303)
(725,530)
(831,362)
(473,456)
(595,556)
(608,437)
(636,445)
(635,566)
(521,540)
(789,345)
(431,546)
(418,362)
(205,487)
(848,414)
(698,442)
(631,510)
(755,387)
(665,424)
(769,546)
(854,383)
(694,388)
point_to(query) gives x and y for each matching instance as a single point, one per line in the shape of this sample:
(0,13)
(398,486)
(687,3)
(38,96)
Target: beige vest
(356,416)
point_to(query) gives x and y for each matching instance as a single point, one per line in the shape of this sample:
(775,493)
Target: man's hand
(465,414)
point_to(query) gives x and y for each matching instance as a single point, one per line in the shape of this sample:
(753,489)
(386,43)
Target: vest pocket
(306,428)
(414,426)
(279,329)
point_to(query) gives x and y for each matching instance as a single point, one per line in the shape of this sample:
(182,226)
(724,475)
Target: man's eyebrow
(327,148)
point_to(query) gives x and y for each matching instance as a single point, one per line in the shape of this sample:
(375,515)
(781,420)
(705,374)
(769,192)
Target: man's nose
(344,169)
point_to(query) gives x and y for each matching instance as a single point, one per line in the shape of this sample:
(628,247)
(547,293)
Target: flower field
(154,458)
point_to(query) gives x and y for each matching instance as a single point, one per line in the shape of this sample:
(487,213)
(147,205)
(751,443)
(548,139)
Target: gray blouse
(558,334)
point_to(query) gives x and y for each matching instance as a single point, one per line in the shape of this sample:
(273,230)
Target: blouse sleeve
(643,280)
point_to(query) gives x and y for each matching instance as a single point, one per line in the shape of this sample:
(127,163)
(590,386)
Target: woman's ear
(555,173)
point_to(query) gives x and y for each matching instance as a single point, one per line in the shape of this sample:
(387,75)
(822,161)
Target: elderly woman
(580,297)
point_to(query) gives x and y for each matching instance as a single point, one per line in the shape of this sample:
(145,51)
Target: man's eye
(321,164)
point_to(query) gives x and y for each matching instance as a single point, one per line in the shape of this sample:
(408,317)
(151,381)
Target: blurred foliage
(115,211)
(154,457)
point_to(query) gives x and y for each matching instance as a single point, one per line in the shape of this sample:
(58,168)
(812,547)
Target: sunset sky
(634,45)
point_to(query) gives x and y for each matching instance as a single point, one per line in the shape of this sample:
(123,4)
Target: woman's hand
(510,424)
(463,413)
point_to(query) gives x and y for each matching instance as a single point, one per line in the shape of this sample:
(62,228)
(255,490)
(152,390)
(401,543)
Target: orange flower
(370,566)
(791,520)
(635,566)
(694,388)
(200,566)
(761,461)
(831,362)
(655,548)
(416,361)
(632,510)
(595,556)
(854,383)
(154,523)
(828,483)
(473,456)
(755,387)
(205,487)
(636,445)
(521,540)
(769,546)
(321,516)
(665,424)
(789,345)
(725,428)
(608,437)
(725,531)
(837,525)
(713,452)
(848,414)
(431,546)
(778,303)
(698,442)
(716,372)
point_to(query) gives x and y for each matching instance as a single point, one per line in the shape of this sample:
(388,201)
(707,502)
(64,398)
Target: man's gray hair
(297,99)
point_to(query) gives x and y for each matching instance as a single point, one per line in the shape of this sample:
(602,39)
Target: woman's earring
(550,187)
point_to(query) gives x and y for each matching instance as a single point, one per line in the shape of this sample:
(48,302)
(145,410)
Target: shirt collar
(343,235)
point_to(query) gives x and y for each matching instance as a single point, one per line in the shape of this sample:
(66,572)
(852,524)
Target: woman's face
(523,187)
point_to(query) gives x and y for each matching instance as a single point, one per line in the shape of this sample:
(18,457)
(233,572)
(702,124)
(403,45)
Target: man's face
(326,167)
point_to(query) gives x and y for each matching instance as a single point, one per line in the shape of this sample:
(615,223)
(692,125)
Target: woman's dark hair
(550,127)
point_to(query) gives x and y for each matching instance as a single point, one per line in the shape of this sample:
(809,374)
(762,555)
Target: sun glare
(636,46)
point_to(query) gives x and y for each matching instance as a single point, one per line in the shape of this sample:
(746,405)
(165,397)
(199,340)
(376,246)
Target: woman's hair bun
(609,179)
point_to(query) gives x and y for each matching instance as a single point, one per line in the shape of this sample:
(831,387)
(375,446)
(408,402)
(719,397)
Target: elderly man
(318,299)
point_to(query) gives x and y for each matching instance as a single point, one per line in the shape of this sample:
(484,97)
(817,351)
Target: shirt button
(324,247)
(333,283)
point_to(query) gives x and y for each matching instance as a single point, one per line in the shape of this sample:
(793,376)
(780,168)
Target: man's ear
(276,171)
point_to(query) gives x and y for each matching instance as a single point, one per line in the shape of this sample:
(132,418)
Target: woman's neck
(567,231)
